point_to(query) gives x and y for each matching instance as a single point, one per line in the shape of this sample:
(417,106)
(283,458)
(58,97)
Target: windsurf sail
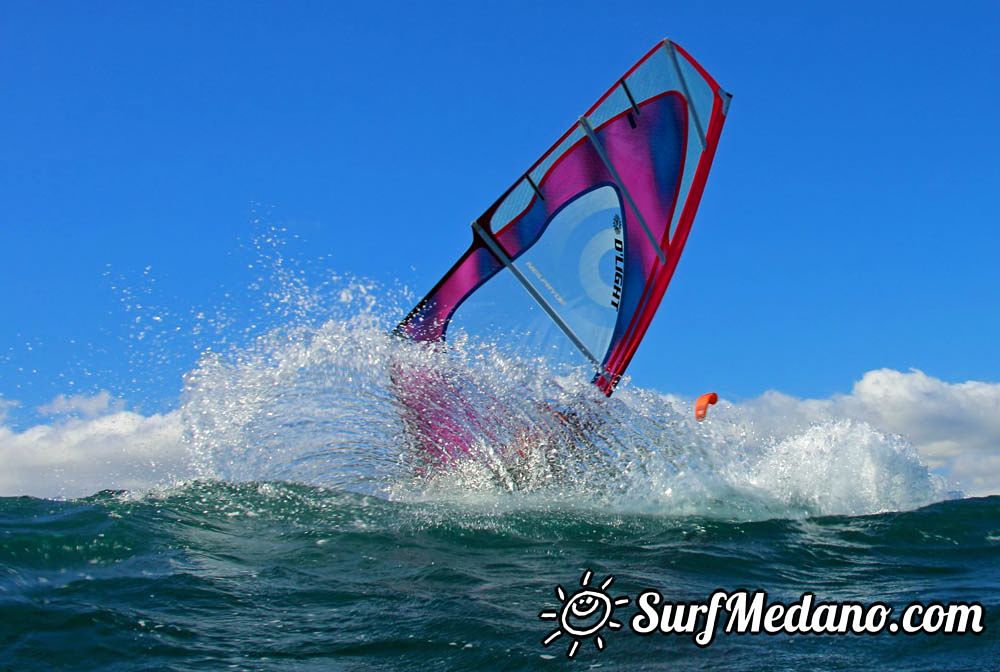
(593,230)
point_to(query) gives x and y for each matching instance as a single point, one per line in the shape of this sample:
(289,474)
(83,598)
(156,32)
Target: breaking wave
(319,403)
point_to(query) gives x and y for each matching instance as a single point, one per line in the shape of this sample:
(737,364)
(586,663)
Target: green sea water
(275,576)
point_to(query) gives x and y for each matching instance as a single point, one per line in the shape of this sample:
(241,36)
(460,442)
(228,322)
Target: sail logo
(616,288)
(545,281)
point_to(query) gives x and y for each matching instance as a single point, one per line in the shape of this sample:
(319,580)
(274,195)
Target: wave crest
(317,404)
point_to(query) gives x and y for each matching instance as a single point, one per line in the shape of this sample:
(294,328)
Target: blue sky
(849,223)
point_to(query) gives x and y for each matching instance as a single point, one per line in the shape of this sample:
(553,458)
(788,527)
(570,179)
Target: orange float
(701,406)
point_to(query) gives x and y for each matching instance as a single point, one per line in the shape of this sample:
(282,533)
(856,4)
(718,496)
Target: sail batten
(655,245)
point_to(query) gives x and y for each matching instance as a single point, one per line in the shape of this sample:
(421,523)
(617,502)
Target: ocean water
(317,535)
(270,576)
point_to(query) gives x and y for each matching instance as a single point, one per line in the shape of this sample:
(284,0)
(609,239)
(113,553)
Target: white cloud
(81,404)
(77,457)
(955,427)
